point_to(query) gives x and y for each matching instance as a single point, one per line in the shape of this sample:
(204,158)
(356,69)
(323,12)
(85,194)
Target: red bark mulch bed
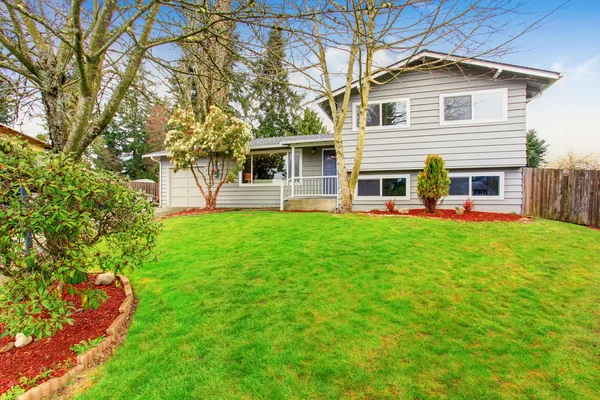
(473,216)
(54,353)
(193,211)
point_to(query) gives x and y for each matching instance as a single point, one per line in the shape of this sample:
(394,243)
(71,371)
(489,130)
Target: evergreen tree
(277,105)
(127,138)
(536,149)
(309,123)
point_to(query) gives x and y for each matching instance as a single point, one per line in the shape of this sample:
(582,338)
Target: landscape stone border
(85,360)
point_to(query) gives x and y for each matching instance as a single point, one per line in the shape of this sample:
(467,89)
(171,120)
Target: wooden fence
(149,187)
(563,195)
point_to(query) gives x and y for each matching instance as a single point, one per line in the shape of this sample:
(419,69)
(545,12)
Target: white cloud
(590,69)
(557,66)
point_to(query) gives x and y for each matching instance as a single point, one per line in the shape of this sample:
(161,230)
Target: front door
(329,169)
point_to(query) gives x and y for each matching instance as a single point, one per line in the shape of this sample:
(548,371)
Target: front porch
(303,167)
(318,193)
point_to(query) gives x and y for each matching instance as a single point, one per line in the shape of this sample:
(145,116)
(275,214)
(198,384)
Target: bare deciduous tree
(80,60)
(574,160)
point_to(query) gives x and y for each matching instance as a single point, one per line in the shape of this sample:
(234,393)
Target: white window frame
(287,153)
(381,197)
(470,175)
(355,115)
(472,93)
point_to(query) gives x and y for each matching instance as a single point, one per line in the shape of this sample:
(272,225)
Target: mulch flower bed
(54,353)
(193,211)
(473,216)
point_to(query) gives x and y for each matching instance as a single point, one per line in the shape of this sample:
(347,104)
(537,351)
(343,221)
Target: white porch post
(293,161)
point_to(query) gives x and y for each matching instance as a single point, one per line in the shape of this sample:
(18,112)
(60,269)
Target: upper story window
(388,114)
(474,107)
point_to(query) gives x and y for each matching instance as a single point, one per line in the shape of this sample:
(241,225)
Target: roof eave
(550,75)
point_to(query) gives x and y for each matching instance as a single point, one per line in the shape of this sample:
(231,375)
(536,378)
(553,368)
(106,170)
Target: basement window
(383,187)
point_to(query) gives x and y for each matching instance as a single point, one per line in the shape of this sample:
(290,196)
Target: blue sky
(568,113)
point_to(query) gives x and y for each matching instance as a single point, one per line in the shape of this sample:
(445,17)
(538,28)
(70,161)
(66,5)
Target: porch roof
(274,142)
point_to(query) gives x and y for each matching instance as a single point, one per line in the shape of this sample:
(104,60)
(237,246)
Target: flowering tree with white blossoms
(221,141)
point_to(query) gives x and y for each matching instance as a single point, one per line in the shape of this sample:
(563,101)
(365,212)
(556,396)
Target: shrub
(390,206)
(58,219)
(469,205)
(433,183)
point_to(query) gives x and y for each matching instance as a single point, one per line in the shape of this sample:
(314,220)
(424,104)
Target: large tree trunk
(53,98)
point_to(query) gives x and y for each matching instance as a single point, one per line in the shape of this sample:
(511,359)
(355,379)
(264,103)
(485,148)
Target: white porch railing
(309,186)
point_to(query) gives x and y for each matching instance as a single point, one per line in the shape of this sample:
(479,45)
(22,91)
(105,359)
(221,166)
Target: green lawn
(263,305)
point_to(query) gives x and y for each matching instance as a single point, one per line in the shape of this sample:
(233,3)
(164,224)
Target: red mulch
(193,211)
(54,353)
(473,216)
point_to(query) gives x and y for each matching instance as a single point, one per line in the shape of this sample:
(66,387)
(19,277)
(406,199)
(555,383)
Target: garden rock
(460,210)
(22,340)
(402,210)
(105,279)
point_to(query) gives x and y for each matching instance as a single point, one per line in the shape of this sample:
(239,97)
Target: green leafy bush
(433,183)
(85,345)
(58,219)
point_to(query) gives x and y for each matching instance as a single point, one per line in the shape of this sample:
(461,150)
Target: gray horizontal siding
(484,145)
(513,197)
(248,196)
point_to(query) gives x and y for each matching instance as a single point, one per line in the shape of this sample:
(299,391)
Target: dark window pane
(457,108)
(268,167)
(486,186)
(394,113)
(296,164)
(368,187)
(247,172)
(393,187)
(373,115)
(459,186)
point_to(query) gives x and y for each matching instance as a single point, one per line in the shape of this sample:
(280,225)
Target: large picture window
(383,186)
(481,106)
(477,185)
(384,115)
(270,168)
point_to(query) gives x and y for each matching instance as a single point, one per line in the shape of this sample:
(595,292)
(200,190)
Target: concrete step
(310,204)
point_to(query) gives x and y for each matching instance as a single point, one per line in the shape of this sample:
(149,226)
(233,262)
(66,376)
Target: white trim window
(270,167)
(483,185)
(384,114)
(474,107)
(391,186)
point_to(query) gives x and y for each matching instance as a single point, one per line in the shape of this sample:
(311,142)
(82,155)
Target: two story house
(472,113)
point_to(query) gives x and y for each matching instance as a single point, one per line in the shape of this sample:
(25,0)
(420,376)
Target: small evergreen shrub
(433,183)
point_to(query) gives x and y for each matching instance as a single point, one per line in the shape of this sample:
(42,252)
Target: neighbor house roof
(8,131)
(273,142)
(547,77)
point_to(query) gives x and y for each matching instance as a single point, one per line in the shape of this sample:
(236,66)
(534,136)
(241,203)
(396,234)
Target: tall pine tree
(536,149)
(276,109)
